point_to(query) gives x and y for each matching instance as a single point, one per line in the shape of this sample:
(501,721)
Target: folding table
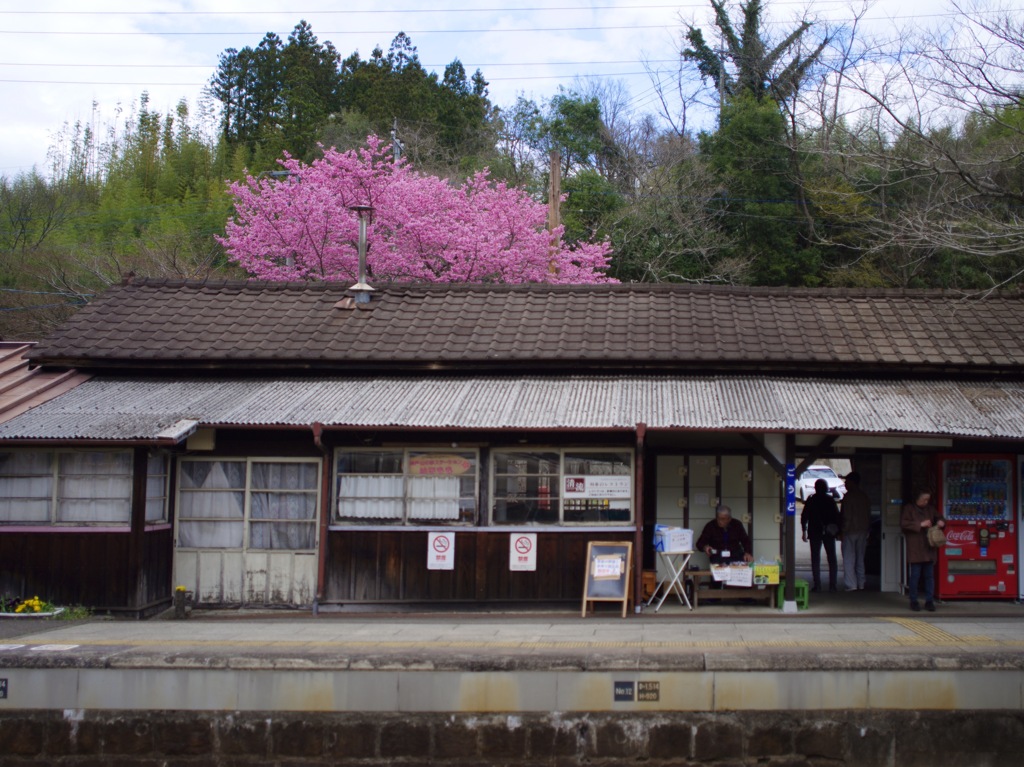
(675,562)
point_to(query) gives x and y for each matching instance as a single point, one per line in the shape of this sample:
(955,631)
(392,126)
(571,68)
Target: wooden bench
(764,594)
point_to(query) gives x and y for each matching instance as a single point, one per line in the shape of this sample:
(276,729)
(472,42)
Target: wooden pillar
(137,530)
(638,536)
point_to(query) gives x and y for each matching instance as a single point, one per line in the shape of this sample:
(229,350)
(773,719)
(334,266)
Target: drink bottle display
(976,497)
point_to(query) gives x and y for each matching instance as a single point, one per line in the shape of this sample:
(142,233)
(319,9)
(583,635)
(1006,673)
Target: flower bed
(13,607)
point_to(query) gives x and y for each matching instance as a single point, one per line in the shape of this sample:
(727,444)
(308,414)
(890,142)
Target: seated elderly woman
(725,540)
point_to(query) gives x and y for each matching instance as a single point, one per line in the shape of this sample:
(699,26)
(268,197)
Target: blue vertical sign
(790,490)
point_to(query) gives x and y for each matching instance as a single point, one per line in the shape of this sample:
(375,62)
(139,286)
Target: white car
(805,485)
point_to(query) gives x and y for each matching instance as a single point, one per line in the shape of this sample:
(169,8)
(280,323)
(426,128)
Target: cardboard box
(766,575)
(672,539)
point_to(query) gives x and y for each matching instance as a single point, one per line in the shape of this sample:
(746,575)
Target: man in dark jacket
(820,522)
(725,540)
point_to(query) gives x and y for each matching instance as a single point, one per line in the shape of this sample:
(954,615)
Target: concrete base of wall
(795,739)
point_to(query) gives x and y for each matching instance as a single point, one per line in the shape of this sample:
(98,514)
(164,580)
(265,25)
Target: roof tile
(671,326)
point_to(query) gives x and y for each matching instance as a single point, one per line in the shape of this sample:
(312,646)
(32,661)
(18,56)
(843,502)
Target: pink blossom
(423,229)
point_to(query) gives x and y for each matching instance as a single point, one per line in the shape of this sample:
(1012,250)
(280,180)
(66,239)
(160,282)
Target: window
(406,486)
(248,503)
(156,488)
(562,487)
(77,487)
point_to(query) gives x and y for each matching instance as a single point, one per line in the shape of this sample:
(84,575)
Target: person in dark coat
(915,520)
(820,523)
(725,540)
(855,523)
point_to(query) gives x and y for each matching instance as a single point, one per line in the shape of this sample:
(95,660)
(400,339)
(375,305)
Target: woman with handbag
(915,521)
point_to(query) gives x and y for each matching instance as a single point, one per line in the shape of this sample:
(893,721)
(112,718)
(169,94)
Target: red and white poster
(441,551)
(522,552)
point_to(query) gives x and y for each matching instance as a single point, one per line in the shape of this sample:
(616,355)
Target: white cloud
(58,61)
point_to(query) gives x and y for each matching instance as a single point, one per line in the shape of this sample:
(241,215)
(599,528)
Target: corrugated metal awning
(143,409)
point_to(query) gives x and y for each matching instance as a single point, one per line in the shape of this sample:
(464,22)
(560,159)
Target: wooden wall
(89,569)
(374,566)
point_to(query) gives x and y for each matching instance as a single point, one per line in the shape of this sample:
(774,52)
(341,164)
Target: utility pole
(396,146)
(554,204)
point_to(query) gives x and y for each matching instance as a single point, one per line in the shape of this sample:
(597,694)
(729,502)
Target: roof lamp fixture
(362,288)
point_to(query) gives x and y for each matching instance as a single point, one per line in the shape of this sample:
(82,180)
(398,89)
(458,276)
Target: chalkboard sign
(609,570)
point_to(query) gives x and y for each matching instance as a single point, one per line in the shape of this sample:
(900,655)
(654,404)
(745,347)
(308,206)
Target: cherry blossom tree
(298,225)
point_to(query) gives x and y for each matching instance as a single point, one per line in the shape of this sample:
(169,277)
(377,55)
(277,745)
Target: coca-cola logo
(962,536)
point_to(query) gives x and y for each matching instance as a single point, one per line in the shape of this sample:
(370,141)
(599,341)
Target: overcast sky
(58,59)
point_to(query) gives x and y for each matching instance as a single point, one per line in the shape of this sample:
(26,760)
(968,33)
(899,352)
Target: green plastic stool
(801,590)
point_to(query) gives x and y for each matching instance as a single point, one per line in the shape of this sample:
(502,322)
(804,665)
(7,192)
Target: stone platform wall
(252,739)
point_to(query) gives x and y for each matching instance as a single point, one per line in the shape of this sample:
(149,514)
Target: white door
(246,530)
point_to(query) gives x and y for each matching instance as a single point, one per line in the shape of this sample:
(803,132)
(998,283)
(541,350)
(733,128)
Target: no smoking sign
(522,551)
(441,551)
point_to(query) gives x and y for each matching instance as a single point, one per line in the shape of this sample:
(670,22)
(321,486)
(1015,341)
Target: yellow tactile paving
(931,633)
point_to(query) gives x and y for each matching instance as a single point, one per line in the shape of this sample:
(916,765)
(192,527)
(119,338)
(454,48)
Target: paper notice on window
(608,567)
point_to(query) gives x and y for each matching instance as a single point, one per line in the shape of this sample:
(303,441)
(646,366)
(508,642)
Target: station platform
(857,679)
(867,650)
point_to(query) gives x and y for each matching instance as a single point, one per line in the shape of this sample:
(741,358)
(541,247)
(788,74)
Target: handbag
(936,537)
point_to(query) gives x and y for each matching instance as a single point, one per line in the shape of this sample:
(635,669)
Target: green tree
(756,159)
(757,197)
(277,96)
(757,65)
(445,124)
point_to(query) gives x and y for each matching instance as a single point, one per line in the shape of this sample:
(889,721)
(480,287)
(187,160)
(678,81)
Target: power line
(78,65)
(349,33)
(402,11)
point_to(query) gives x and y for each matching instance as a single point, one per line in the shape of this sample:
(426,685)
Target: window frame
(248,490)
(560,499)
(56,477)
(407,500)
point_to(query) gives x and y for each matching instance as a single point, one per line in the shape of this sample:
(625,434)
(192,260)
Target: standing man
(724,539)
(820,522)
(915,520)
(855,520)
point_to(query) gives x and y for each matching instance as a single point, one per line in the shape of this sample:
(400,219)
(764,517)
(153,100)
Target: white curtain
(156,498)
(212,475)
(156,488)
(282,535)
(210,535)
(371,496)
(434,498)
(279,533)
(212,505)
(22,509)
(284,476)
(94,487)
(282,504)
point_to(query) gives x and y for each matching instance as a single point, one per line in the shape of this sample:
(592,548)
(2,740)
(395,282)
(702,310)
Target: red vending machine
(976,496)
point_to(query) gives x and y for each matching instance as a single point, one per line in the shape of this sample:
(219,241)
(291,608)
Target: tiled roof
(310,326)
